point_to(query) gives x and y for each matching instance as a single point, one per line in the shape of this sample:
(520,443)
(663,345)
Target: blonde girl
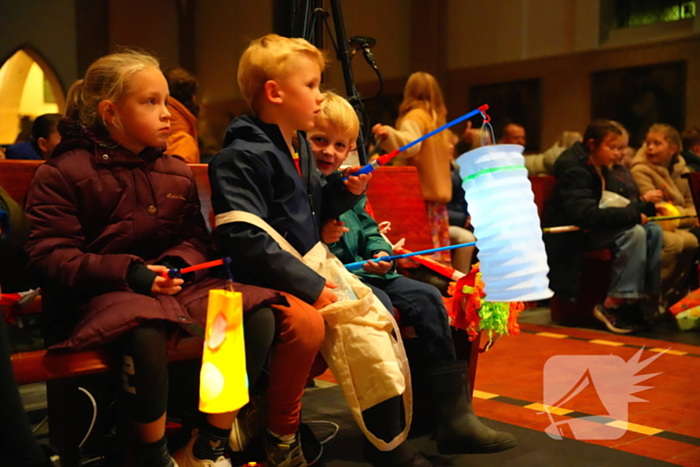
(659,166)
(421,111)
(109,214)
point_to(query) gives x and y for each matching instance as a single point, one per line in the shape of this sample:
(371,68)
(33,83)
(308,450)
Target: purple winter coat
(95,209)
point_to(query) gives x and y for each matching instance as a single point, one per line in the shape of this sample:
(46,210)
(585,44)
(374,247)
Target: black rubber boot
(458,430)
(384,421)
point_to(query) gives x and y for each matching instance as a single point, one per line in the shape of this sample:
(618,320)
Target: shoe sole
(453,447)
(601,317)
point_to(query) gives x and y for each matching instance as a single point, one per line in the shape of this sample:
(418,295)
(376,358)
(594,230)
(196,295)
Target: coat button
(105,157)
(152,210)
(182,318)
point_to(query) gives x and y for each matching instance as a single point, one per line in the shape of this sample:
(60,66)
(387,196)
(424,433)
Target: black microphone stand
(309,25)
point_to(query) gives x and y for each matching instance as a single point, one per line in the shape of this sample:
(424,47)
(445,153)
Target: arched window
(28,88)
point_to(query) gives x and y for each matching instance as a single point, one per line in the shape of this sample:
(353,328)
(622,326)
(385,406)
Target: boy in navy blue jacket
(266,169)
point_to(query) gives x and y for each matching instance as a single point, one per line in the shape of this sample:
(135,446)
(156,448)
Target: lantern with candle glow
(223,378)
(504,215)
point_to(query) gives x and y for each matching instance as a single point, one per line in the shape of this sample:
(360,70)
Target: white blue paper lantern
(504,215)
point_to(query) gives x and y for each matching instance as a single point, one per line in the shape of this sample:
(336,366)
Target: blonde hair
(271,57)
(670,133)
(108,78)
(422,91)
(336,111)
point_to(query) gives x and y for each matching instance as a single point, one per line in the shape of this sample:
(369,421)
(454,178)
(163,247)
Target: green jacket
(362,242)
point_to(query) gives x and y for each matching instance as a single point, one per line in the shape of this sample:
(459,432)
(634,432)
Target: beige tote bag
(363,346)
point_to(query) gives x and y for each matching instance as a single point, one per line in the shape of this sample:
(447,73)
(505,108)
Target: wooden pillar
(429,37)
(92,32)
(186,34)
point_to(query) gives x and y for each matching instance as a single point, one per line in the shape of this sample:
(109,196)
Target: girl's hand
(381,131)
(162,285)
(327,296)
(643,219)
(333,230)
(380,267)
(662,210)
(653,196)
(357,185)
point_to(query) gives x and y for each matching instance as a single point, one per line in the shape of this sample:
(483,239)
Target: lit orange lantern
(223,379)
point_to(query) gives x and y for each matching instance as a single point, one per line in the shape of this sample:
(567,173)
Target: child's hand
(327,296)
(643,219)
(357,185)
(379,267)
(653,196)
(662,210)
(332,231)
(164,286)
(381,131)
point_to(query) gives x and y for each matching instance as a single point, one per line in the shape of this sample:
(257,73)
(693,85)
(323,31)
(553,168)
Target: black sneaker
(610,318)
(281,454)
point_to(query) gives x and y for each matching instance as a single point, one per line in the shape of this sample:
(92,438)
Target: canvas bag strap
(242,216)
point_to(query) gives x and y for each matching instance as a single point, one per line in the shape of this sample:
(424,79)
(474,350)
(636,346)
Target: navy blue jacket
(254,172)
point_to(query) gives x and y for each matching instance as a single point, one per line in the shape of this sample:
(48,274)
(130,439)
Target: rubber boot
(458,430)
(384,421)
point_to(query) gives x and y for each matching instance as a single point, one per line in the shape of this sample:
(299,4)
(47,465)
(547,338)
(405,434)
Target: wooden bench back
(395,196)
(15,177)
(542,187)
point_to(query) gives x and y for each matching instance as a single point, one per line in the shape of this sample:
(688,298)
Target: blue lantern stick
(359,264)
(382,160)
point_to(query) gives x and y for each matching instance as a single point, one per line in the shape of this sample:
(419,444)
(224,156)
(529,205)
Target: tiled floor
(510,384)
(666,426)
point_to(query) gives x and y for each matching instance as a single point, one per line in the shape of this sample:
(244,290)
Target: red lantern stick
(173,273)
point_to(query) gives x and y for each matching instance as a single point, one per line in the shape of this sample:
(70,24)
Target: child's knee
(301,323)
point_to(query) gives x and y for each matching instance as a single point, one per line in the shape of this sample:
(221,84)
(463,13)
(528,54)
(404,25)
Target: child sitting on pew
(109,213)
(260,172)
(355,236)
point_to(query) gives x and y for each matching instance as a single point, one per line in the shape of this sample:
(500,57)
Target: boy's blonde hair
(271,57)
(108,78)
(670,133)
(337,112)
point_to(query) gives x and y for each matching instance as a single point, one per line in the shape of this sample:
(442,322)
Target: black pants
(18,446)
(145,374)
(420,305)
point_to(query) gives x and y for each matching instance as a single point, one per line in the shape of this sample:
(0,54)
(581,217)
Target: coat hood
(574,156)
(254,130)
(76,136)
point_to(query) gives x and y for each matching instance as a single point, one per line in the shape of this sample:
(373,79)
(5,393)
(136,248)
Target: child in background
(355,237)
(619,180)
(658,165)
(42,141)
(261,172)
(423,110)
(109,213)
(581,172)
(183,140)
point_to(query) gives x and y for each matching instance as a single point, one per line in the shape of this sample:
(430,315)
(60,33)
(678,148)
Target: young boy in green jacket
(355,237)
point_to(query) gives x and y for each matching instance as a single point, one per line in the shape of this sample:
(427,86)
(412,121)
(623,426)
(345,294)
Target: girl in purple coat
(109,213)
